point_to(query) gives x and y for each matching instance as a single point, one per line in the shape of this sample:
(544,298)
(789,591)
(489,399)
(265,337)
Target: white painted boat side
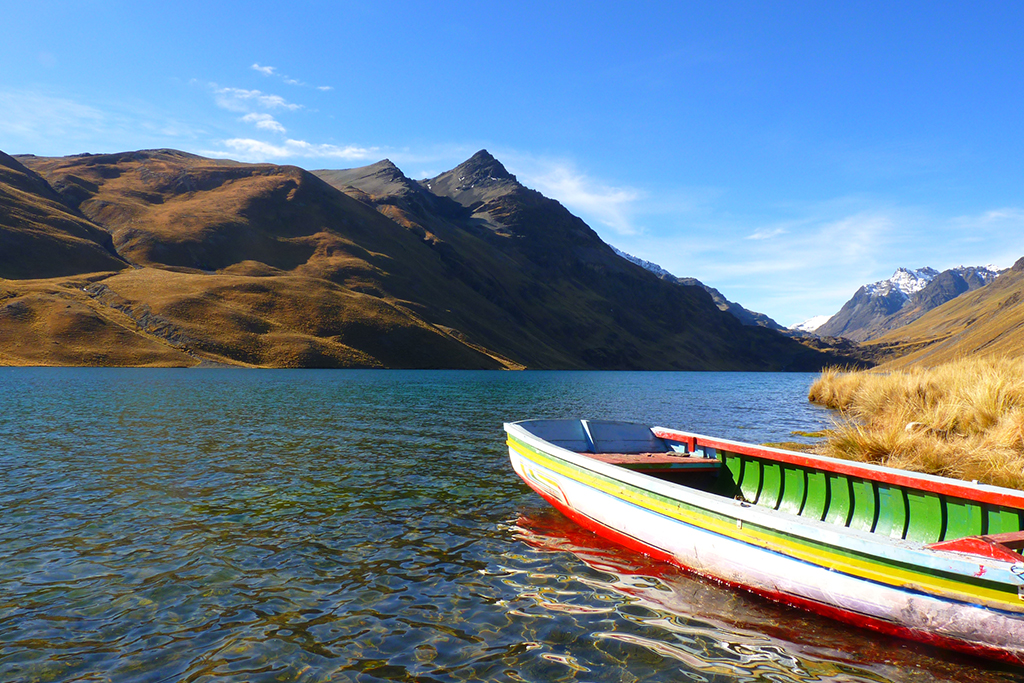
(770,572)
(852,540)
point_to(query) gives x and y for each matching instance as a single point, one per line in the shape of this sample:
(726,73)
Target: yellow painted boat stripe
(890,575)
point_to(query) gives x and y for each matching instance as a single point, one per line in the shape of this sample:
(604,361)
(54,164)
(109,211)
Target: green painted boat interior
(861,503)
(845,500)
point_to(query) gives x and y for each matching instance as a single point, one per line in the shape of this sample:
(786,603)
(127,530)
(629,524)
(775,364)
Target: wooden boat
(922,557)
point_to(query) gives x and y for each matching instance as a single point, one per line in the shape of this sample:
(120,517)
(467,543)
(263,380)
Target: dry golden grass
(962,419)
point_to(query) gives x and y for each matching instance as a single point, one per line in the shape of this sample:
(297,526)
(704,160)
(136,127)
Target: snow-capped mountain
(904,281)
(647,265)
(887,304)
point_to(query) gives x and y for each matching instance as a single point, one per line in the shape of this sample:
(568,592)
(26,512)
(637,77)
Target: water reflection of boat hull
(730,625)
(937,591)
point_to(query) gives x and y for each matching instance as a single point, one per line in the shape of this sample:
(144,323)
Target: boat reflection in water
(714,632)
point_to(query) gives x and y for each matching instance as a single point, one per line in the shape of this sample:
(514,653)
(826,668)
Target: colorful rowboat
(922,557)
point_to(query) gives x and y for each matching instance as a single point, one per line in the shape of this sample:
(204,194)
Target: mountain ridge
(983,322)
(744,315)
(274,266)
(888,304)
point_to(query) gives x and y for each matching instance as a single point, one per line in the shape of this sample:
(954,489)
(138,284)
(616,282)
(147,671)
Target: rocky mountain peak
(478,172)
(903,298)
(482,166)
(903,283)
(476,181)
(380,179)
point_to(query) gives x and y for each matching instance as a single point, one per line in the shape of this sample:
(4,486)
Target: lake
(277,525)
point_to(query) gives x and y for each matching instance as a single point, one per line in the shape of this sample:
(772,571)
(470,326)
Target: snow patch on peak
(986,273)
(905,281)
(647,265)
(812,324)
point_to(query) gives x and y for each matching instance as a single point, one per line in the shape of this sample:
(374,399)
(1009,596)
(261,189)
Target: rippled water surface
(228,525)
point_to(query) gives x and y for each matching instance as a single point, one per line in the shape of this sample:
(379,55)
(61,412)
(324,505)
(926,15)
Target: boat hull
(682,530)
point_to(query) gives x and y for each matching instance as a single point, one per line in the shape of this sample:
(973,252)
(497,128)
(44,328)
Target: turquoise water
(232,525)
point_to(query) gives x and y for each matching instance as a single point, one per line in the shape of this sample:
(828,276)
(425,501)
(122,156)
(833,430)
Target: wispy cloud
(804,265)
(27,113)
(264,122)
(609,205)
(813,261)
(767,234)
(288,80)
(247,149)
(39,122)
(241,100)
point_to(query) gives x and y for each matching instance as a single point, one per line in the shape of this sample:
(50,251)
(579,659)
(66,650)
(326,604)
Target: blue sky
(785,153)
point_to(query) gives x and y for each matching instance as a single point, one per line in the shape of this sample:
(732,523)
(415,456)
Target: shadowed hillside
(265,265)
(546,270)
(40,236)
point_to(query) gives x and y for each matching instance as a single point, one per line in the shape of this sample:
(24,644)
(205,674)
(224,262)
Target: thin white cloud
(264,122)
(810,266)
(39,122)
(27,113)
(325,87)
(816,260)
(611,206)
(272,71)
(241,100)
(766,234)
(247,149)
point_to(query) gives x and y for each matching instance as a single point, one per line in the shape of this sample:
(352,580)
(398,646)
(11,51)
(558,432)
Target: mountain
(982,322)
(889,304)
(275,266)
(745,316)
(549,272)
(40,236)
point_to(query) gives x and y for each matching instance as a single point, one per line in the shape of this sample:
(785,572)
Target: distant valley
(164,258)
(916,316)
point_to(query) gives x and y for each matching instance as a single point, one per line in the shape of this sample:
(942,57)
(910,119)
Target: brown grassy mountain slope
(54,322)
(257,264)
(42,237)
(271,265)
(561,286)
(987,322)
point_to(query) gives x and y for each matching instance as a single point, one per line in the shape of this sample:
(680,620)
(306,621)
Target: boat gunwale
(854,541)
(971,491)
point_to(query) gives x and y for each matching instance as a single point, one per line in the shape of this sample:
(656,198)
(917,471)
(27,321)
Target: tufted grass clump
(963,419)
